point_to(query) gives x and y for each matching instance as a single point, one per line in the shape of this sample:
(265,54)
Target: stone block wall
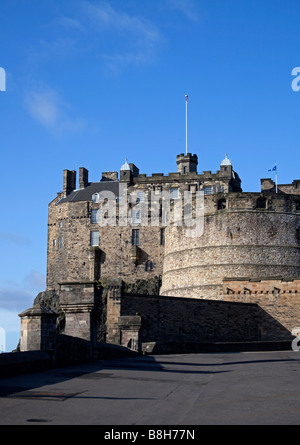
(239,241)
(182,320)
(38,329)
(278,297)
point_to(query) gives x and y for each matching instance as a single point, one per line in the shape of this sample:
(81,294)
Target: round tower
(246,235)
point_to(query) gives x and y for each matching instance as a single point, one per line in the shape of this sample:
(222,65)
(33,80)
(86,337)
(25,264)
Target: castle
(186,257)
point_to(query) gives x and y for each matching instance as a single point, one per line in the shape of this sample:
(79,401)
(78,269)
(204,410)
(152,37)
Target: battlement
(268,185)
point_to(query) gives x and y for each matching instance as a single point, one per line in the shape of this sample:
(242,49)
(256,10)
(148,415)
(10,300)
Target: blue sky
(90,83)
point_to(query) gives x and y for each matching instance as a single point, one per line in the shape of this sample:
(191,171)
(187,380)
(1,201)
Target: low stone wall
(71,350)
(174,320)
(17,363)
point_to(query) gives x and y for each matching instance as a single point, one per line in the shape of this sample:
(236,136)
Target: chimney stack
(83,177)
(69,181)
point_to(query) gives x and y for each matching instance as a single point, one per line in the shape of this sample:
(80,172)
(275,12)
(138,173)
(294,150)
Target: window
(136,216)
(208,190)
(95,238)
(95,216)
(174,193)
(54,243)
(60,224)
(222,204)
(140,197)
(261,203)
(135,237)
(60,242)
(149,266)
(162,237)
(220,189)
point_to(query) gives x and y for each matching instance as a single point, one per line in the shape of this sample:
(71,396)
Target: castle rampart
(254,234)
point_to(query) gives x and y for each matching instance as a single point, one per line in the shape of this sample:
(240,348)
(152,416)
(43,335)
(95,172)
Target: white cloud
(187,7)
(48,108)
(138,39)
(103,14)
(70,23)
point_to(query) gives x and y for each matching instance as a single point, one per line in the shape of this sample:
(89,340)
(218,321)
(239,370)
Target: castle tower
(187,163)
(252,235)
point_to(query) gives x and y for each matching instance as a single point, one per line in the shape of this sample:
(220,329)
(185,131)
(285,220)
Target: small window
(135,237)
(60,224)
(261,203)
(140,197)
(208,190)
(95,238)
(60,242)
(162,237)
(54,243)
(222,204)
(149,266)
(95,216)
(174,193)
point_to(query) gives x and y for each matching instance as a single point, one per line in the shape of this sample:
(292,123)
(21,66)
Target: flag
(274,169)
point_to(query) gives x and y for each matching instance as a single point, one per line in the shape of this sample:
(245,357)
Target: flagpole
(186,124)
(276,177)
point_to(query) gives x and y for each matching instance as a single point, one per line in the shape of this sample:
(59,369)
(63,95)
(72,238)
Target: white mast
(186,124)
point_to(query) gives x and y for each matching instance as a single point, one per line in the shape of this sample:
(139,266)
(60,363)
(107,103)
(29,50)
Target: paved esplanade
(191,389)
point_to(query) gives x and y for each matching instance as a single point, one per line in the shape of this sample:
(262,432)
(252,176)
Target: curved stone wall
(239,241)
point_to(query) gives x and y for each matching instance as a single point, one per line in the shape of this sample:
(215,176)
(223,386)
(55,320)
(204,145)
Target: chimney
(83,177)
(69,181)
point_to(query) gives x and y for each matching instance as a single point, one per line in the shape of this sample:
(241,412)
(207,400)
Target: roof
(125,166)
(226,161)
(87,193)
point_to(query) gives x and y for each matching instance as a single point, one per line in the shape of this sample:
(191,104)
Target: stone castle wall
(280,298)
(242,240)
(70,256)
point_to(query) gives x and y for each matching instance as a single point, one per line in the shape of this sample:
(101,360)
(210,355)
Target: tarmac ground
(257,388)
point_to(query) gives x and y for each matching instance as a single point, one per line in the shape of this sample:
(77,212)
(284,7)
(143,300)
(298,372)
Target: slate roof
(94,187)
